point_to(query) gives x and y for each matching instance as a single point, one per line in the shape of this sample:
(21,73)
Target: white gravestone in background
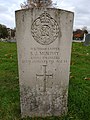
(44,38)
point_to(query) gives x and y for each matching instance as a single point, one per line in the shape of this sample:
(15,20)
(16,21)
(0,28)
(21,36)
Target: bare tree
(36,3)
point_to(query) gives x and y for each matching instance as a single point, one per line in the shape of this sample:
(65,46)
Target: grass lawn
(79,87)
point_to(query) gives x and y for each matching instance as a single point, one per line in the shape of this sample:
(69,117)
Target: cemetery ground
(79,85)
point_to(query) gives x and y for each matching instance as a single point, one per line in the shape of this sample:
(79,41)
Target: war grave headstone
(87,40)
(44,38)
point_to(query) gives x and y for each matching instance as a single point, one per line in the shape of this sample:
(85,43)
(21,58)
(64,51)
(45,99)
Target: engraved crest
(45,29)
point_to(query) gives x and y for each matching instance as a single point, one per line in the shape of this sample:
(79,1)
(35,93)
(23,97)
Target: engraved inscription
(44,75)
(45,29)
(45,55)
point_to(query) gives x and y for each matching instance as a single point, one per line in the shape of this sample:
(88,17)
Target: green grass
(79,87)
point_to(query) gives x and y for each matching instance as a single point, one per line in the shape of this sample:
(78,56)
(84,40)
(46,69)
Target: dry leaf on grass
(87,78)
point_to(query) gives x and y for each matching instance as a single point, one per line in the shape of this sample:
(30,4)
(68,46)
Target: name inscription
(44,55)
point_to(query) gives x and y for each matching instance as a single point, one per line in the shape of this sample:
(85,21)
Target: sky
(79,7)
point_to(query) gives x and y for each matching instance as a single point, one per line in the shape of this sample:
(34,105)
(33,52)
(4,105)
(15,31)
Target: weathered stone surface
(44,38)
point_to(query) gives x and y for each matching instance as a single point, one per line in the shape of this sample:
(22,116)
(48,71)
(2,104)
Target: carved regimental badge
(45,29)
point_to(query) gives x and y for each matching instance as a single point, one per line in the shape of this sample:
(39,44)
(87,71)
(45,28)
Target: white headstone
(44,38)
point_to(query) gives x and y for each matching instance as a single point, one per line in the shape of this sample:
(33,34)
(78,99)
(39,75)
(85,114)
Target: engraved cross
(44,75)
